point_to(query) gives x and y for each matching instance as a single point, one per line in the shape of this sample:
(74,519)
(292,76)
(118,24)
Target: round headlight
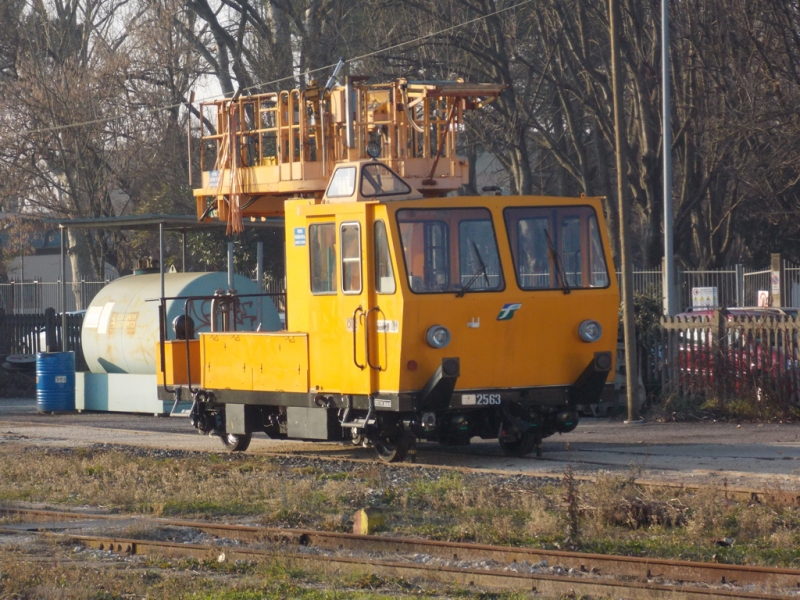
(438,336)
(590,331)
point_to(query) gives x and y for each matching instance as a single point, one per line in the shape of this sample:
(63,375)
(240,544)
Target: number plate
(481,399)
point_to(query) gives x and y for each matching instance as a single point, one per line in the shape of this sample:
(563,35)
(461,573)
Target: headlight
(438,336)
(590,331)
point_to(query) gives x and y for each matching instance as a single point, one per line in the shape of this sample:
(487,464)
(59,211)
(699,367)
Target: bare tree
(62,118)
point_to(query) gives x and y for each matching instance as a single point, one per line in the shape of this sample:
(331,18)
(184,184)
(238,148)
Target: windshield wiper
(560,274)
(481,270)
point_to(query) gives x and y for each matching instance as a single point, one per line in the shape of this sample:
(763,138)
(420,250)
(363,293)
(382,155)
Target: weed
(571,505)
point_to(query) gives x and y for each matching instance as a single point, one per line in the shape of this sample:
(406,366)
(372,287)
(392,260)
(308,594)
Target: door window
(351,258)
(322,249)
(384,274)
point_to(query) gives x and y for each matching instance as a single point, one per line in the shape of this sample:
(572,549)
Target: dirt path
(748,455)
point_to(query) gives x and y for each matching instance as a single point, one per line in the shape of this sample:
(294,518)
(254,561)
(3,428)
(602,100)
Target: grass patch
(173,508)
(610,514)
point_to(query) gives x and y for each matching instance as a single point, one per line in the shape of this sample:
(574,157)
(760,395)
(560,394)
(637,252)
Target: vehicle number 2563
(481,399)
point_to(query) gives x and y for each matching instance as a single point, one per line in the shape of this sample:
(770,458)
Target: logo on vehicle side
(507,312)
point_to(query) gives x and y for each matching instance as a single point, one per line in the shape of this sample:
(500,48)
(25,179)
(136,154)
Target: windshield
(556,247)
(450,250)
(378,180)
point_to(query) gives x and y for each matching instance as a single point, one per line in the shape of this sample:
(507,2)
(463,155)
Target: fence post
(5,338)
(740,285)
(50,342)
(776,280)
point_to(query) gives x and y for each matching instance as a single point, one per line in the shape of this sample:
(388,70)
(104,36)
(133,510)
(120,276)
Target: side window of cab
(322,257)
(384,273)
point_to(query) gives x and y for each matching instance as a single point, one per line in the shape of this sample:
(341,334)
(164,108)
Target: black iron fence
(26,334)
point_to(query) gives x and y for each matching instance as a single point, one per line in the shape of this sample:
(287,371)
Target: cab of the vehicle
(390,286)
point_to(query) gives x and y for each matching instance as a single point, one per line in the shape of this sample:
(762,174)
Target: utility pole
(670,297)
(624,215)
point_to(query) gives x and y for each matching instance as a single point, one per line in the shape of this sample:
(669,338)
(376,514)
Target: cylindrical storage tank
(120,328)
(55,381)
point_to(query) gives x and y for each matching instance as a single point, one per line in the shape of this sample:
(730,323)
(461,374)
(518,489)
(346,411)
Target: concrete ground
(747,455)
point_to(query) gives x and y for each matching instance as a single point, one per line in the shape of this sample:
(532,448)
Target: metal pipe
(161,254)
(333,77)
(324,153)
(230,266)
(189,134)
(183,252)
(63,293)
(348,108)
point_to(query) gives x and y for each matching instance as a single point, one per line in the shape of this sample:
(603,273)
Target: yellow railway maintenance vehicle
(410,314)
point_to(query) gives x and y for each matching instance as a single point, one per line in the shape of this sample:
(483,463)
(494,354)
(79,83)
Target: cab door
(338,307)
(354,303)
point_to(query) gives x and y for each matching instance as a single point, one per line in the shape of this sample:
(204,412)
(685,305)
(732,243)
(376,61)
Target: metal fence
(33,297)
(724,280)
(736,286)
(25,334)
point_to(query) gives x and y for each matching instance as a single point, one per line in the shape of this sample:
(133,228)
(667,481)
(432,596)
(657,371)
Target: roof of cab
(364,180)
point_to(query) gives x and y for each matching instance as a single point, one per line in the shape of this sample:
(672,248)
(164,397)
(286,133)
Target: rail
(607,575)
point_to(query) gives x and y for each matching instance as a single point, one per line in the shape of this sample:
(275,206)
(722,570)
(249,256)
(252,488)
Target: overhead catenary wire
(165,107)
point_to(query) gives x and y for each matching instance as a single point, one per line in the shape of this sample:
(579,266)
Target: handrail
(162,337)
(366,338)
(355,339)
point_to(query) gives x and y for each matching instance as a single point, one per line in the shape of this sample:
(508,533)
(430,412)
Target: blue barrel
(55,381)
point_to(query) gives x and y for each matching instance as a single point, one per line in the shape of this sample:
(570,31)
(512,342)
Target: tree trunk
(80,259)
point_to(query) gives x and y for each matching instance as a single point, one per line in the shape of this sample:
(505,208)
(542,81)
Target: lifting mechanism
(411,313)
(286,144)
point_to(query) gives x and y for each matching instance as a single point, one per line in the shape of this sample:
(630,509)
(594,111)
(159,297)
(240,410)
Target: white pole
(670,300)
(260,278)
(161,256)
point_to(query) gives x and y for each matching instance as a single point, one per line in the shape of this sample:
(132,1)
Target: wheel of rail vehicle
(391,448)
(522,446)
(236,442)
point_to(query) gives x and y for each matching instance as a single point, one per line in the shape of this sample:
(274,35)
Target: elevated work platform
(256,151)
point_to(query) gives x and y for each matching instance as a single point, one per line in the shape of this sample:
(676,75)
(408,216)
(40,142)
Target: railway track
(773,494)
(587,574)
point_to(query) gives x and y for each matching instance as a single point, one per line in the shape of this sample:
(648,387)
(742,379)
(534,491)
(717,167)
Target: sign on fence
(763,298)
(704,297)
